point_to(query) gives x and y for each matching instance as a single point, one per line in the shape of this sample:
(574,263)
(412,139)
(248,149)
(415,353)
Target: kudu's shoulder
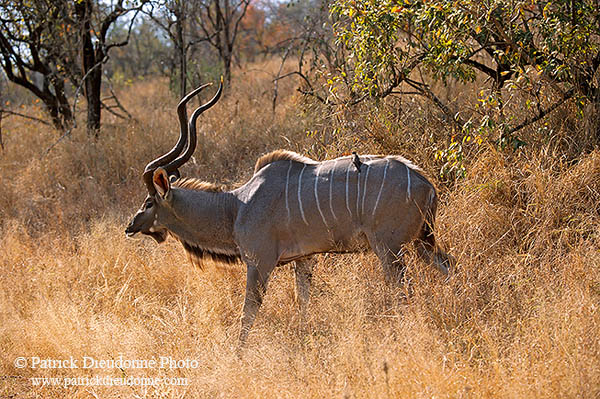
(281,155)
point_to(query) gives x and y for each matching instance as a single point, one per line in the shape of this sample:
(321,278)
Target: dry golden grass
(519,319)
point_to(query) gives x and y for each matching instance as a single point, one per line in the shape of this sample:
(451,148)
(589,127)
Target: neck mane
(191,183)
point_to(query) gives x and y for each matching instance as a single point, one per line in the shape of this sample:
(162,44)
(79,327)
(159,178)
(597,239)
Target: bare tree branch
(425,91)
(33,118)
(276,80)
(542,113)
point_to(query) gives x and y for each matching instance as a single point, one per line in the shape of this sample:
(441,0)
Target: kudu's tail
(427,248)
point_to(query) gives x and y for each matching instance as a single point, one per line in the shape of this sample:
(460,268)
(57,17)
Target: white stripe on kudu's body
(350,166)
(287,185)
(365,188)
(407,183)
(387,163)
(317,195)
(357,192)
(331,189)
(260,223)
(300,195)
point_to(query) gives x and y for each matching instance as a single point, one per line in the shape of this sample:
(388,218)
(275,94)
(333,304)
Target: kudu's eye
(149,204)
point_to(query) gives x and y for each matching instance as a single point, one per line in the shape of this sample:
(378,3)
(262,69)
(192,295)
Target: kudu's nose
(129,230)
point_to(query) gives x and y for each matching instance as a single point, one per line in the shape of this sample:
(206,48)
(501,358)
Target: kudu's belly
(311,242)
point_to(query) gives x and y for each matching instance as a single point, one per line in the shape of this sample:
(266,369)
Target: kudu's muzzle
(130,231)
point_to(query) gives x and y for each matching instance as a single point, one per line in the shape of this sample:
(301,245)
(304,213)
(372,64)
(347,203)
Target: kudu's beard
(159,237)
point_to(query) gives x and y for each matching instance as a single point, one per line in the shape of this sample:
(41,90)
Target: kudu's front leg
(256,286)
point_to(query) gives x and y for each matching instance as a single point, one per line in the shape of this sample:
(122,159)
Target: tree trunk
(92,67)
(56,103)
(1,142)
(591,121)
(53,108)
(227,56)
(93,85)
(227,73)
(182,57)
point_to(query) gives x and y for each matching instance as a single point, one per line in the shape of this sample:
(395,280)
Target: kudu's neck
(204,219)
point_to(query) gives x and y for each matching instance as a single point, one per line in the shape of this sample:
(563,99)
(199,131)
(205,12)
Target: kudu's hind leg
(391,258)
(431,253)
(303,271)
(394,267)
(435,256)
(426,246)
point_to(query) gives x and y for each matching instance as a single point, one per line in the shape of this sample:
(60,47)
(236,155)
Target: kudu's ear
(161,182)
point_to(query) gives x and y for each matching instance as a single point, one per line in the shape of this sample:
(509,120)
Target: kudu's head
(155,213)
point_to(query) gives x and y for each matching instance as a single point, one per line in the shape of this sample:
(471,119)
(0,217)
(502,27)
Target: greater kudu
(291,208)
